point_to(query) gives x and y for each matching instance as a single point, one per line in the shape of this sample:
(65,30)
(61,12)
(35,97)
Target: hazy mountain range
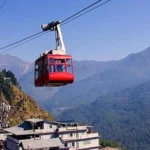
(102,78)
(121,116)
(92,79)
(113,95)
(15,64)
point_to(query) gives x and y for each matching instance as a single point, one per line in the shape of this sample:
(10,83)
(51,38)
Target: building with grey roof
(37,134)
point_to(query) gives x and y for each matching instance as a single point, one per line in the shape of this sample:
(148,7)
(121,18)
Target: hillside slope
(23,106)
(121,116)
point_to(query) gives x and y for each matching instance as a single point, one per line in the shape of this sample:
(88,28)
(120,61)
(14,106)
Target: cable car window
(45,66)
(59,61)
(52,68)
(69,69)
(36,67)
(68,60)
(40,68)
(36,74)
(45,69)
(51,60)
(61,68)
(45,62)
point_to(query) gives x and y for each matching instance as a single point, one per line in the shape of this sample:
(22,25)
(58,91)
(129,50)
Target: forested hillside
(121,116)
(24,107)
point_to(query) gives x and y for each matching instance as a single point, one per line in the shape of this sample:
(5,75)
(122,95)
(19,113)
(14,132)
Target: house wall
(89,143)
(70,135)
(72,145)
(45,136)
(3,136)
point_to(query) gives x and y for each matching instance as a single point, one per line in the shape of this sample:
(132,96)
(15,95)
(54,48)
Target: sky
(110,32)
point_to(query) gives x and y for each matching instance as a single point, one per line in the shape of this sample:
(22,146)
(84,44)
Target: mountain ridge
(14,64)
(22,106)
(92,79)
(122,74)
(121,116)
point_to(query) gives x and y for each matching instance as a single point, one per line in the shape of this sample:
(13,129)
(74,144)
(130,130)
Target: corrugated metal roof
(37,144)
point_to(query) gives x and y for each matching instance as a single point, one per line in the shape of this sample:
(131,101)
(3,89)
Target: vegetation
(121,116)
(109,143)
(24,107)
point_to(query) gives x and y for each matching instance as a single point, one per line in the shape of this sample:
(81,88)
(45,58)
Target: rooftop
(68,122)
(19,131)
(39,144)
(32,126)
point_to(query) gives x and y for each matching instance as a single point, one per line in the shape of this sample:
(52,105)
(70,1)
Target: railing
(72,128)
(62,129)
(84,136)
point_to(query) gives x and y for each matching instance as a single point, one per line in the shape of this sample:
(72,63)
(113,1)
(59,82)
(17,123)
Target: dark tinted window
(40,69)
(66,144)
(61,68)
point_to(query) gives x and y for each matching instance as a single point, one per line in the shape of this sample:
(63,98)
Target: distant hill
(24,107)
(120,116)
(113,77)
(82,69)
(92,79)
(15,64)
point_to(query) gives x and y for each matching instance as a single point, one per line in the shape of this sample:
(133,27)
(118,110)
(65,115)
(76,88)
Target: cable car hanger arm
(60,46)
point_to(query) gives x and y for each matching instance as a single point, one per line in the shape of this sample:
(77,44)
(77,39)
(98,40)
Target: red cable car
(54,68)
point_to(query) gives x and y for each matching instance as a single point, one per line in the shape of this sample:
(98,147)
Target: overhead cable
(65,21)
(3,4)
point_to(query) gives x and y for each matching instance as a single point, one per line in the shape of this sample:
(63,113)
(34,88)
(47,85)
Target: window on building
(66,144)
(61,136)
(50,126)
(87,142)
(71,134)
(37,136)
(73,144)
